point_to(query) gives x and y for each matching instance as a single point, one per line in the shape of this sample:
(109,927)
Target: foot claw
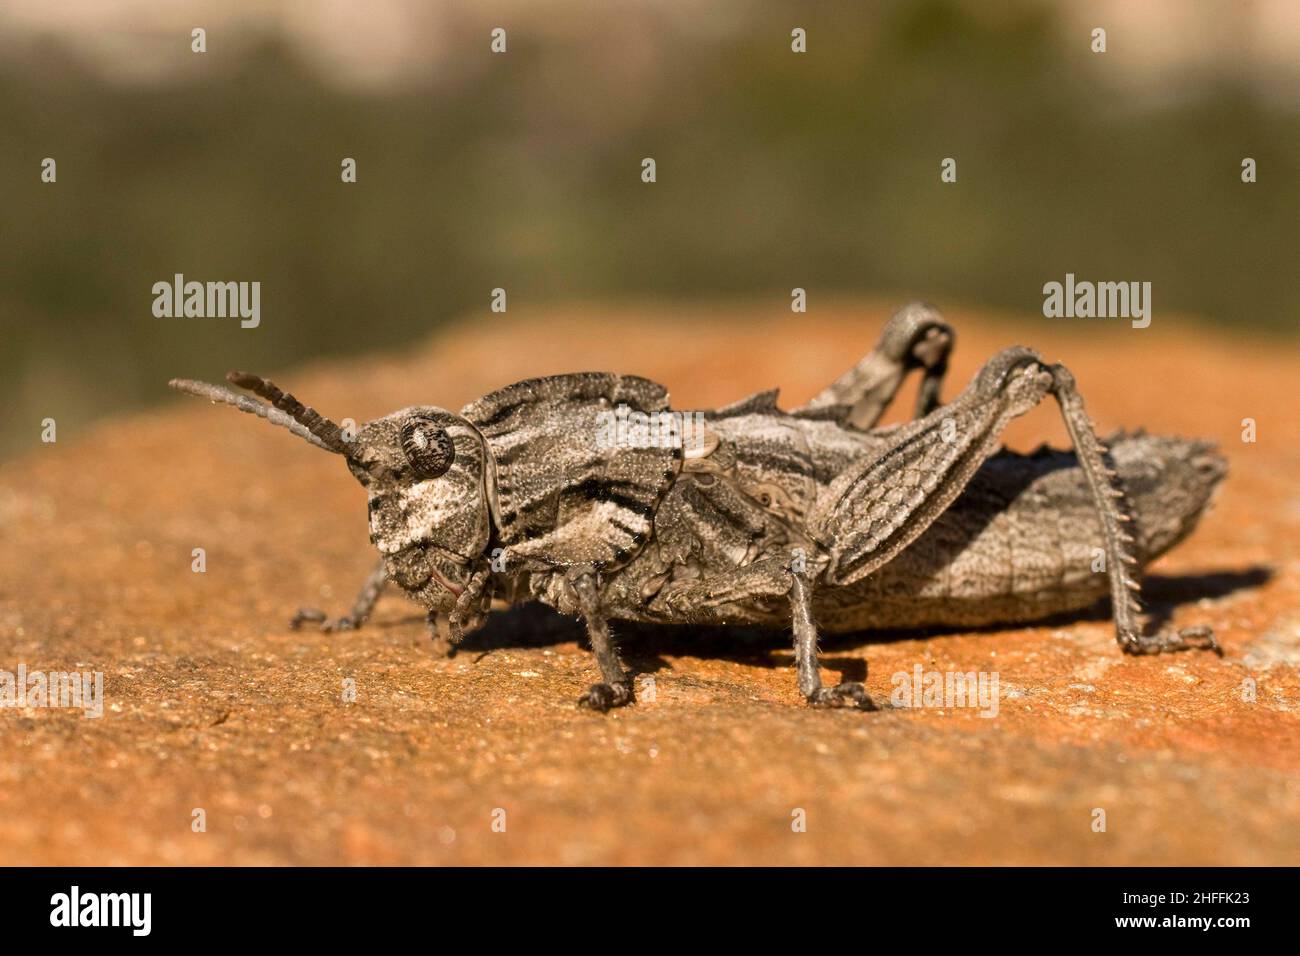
(603,697)
(313,614)
(848,694)
(317,616)
(1168,642)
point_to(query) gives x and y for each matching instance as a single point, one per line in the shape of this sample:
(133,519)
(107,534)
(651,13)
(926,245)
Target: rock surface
(213,703)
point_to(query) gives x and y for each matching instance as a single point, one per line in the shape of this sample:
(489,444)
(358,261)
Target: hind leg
(874,510)
(915,338)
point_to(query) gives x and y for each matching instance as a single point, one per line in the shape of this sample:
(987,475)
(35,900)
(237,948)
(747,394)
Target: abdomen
(1023,541)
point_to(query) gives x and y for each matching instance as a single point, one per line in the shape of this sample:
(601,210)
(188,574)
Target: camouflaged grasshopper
(807,517)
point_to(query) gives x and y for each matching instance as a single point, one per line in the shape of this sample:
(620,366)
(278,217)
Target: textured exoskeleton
(586,492)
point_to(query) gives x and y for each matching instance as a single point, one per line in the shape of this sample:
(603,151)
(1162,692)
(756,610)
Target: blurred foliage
(523,171)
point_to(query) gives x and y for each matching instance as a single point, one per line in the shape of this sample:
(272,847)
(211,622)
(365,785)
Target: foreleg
(447,630)
(361,607)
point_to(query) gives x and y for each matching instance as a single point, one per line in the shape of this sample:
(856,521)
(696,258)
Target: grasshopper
(803,518)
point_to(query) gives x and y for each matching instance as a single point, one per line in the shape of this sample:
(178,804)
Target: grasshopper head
(423,468)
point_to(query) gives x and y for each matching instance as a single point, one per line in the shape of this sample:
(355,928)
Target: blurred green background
(522,171)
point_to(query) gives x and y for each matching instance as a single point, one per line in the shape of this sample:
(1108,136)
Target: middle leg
(774,578)
(807,668)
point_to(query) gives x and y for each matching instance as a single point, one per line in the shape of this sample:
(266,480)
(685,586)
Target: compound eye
(427,447)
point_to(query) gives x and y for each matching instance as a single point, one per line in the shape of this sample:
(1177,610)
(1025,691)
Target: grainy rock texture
(213,703)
